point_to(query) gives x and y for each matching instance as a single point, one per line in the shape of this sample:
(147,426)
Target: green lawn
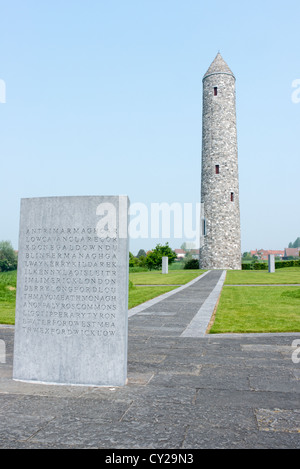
(139,295)
(174,277)
(157,280)
(8,281)
(258,309)
(244,277)
(241,309)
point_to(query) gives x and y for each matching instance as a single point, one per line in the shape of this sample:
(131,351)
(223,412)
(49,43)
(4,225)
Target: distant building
(262,254)
(291,252)
(180,253)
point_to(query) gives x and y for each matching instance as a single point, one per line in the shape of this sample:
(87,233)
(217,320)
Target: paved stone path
(183,392)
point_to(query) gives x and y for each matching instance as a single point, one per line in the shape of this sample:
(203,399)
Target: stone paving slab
(198,325)
(215,391)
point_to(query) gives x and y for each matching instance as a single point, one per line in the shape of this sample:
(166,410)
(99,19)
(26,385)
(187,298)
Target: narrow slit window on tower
(215,91)
(217,169)
(232,196)
(203,227)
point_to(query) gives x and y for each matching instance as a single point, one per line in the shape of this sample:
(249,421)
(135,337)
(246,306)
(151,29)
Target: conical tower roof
(218,66)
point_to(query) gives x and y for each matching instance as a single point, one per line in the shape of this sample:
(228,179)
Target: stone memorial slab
(72,291)
(165,265)
(271,262)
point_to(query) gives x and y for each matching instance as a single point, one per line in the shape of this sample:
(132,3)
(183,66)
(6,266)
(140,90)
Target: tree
(187,246)
(154,258)
(132,260)
(8,257)
(247,256)
(141,253)
(142,261)
(137,261)
(184,247)
(151,261)
(295,244)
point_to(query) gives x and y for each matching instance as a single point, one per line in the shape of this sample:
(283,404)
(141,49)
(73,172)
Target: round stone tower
(220,244)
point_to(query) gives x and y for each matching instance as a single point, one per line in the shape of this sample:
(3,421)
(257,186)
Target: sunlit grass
(174,277)
(258,309)
(256,277)
(139,295)
(8,281)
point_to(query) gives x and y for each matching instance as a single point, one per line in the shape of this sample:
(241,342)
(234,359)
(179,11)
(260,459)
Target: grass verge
(258,309)
(258,277)
(174,277)
(157,284)
(240,310)
(8,282)
(138,295)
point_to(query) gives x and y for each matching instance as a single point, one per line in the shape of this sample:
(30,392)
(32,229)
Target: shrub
(192,264)
(8,257)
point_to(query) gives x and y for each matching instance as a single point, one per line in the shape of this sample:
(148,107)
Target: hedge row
(194,264)
(290,263)
(264,265)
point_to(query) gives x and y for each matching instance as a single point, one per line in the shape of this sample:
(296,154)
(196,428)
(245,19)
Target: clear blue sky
(105,97)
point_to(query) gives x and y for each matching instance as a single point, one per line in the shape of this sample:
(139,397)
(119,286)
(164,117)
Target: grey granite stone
(72,291)
(271,263)
(165,265)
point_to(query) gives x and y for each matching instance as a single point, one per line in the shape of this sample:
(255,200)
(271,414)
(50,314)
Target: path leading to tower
(230,391)
(184,312)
